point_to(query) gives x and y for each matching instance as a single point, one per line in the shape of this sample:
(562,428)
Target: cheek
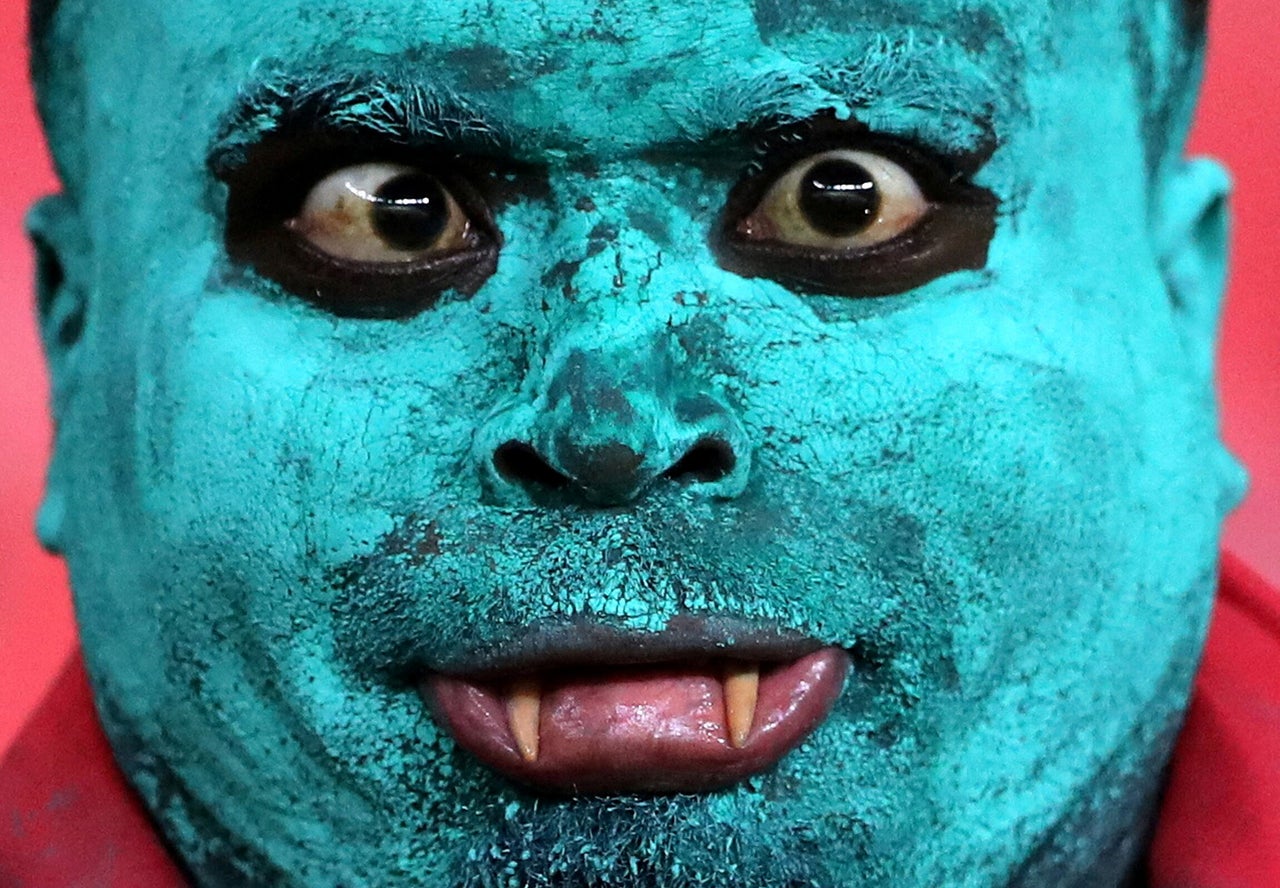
(1024,481)
(271,439)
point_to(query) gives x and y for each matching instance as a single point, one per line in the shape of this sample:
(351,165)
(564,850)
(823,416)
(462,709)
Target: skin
(1001,490)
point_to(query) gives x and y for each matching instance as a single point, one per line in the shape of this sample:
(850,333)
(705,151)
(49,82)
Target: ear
(1194,238)
(1192,231)
(62,302)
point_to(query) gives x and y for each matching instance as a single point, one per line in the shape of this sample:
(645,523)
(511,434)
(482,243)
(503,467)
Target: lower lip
(644,729)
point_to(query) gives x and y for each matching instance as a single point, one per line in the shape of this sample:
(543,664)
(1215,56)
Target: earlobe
(51,519)
(1193,232)
(62,304)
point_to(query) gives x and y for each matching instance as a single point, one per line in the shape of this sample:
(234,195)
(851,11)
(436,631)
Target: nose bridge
(610,365)
(612,403)
(612,240)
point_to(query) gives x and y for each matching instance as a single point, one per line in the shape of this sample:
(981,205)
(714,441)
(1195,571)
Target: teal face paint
(545,392)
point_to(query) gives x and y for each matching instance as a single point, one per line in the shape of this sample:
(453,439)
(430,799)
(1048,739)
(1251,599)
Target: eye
(872,217)
(382,213)
(838,200)
(382,238)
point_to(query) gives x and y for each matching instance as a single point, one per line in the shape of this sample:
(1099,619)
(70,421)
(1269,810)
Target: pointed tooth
(524,705)
(741,689)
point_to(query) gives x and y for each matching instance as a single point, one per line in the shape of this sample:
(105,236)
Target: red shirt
(69,819)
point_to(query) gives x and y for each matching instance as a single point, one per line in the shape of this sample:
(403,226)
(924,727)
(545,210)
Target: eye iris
(411,212)
(839,198)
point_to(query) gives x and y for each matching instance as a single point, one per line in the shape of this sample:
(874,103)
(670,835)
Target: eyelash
(953,236)
(267,189)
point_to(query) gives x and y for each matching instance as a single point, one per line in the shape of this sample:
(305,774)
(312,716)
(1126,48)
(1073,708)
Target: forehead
(684,63)
(533,36)
(517,23)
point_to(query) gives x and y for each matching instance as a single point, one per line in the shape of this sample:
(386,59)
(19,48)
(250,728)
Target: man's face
(598,397)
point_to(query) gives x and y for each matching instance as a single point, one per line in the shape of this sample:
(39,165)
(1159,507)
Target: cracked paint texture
(1001,491)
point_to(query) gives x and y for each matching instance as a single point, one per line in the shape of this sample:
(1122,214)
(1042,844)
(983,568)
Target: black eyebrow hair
(397,109)
(960,106)
(955,111)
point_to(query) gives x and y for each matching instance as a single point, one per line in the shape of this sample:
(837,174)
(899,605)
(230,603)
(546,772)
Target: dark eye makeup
(361,231)
(381,231)
(834,208)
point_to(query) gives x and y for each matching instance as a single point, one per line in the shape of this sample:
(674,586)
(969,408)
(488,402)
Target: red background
(1237,123)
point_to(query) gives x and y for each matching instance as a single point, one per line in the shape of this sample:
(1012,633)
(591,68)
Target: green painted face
(395,342)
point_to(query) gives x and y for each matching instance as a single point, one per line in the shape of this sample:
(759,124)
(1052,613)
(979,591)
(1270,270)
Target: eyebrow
(399,109)
(932,89)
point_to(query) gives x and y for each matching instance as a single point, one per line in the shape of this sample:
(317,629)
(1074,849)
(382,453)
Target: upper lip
(584,643)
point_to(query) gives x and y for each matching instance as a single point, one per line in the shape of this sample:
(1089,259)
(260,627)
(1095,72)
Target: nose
(608,426)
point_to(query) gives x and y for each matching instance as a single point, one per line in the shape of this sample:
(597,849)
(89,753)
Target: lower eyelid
(953,232)
(361,289)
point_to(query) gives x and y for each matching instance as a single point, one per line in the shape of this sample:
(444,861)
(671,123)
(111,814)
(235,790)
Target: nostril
(517,461)
(710,459)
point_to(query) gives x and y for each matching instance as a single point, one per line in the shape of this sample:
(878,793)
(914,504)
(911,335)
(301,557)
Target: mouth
(585,709)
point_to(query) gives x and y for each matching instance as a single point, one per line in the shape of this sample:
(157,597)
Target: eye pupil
(411,213)
(839,198)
